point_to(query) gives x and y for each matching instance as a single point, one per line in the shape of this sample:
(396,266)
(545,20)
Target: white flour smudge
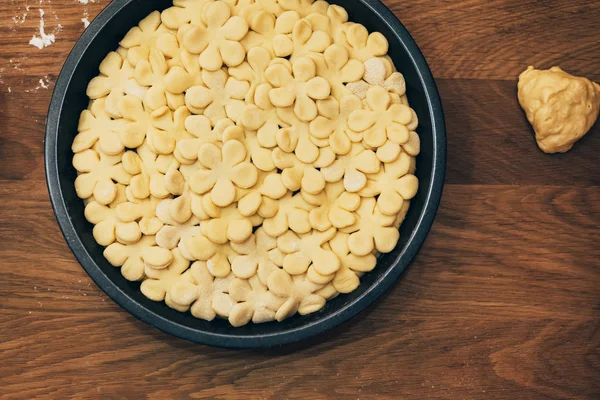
(86,22)
(43,40)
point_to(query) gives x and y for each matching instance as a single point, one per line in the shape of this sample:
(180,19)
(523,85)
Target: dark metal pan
(69,99)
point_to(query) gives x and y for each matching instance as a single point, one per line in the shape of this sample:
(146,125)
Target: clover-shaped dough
(268,186)
(115,79)
(183,12)
(142,211)
(332,123)
(561,107)
(225,169)
(108,227)
(362,45)
(184,72)
(338,68)
(390,151)
(252,71)
(352,167)
(264,20)
(299,292)
(200,292)
(296,174)
(218,40)
(141,39)
(227,225)
(297,85)
(95,125)
(173,232)
(297,138)
(222,97)
(129,257)
(302,41)
(172,129)
(151,74)
(335,207)
(135,132)
(97,173)
(305,249)
(291,212)
(200,127)
(373,230)
(378,72)
(303,7)
(384,120)
(149,171)
(259,254)
(347,278)
(254,302)
(394,184)
(260,156)
(413,146)
(217,256)
(159,281)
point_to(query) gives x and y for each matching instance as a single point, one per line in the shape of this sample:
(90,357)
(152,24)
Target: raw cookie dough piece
(198,291)
(297,84)
(299,292)
(561,107)
(394,183)
(217,40)
(305,249)
(129,257)
(332,123)
(220,97)
(258,253)
(384,120)
(159,281)
(217,256)
(335,207)
(224,170)
(352,168)
(97,173)
(254,302)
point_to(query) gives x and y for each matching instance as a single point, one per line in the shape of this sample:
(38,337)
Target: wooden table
(501,303)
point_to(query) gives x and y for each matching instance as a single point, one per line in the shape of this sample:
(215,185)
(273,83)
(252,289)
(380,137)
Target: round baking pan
(69,99)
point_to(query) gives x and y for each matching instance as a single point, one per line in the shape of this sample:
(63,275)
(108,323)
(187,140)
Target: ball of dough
(561,107)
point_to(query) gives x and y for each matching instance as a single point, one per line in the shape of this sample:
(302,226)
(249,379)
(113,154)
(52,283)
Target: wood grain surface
(503,301)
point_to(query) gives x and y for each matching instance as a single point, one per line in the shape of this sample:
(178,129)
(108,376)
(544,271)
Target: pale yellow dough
(247,160)
(561,107)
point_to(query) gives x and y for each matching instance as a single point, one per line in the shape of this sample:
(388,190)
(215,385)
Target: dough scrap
(561,107)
